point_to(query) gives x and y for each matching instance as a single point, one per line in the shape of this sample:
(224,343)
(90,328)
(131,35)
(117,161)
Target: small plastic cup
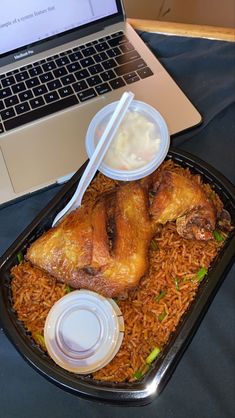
(83,331)
(156,130)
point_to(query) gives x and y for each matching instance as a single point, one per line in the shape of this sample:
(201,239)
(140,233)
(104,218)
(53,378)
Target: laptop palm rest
(55,149)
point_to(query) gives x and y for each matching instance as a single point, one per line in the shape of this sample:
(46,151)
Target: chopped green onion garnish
(20,257)
(141,372)
(68,289)
(217,235)
(162,315)
(39,338)
(161,295)
(201,274)
(177,284)
(151,357)
(137,375)
(154,245)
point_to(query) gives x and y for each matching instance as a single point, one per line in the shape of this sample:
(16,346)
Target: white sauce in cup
(135,144)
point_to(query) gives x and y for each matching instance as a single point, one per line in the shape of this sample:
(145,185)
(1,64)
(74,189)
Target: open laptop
(60,62)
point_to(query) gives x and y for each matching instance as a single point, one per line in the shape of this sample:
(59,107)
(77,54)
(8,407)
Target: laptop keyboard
(75,76)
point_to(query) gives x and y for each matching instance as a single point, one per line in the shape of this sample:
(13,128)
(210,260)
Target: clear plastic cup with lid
(139,146)
(83,331)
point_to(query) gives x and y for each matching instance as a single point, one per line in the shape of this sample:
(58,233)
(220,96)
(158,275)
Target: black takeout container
(139,392)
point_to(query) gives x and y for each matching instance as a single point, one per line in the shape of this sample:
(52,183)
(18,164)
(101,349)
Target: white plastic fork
(98,155)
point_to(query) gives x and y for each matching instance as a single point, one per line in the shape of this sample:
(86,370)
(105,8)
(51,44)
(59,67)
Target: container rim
(139,393)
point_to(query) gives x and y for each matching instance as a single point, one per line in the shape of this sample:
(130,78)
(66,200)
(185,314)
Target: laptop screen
(25,22)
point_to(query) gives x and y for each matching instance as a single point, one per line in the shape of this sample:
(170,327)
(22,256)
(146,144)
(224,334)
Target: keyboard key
(80,85)
(130,66)
(108,75)
(118,40)
(40,112)
(101,46)
(54,85)
(37,102)
(1,128)
(35,71)
(117,83)
(51,97)
(32,82)
(22,108)
(60,72)
(109,64)
(145,72)
(65,91)
(26,67)
(107,37)
(93,81)
(8,74)
(11,101)
(62,61)
(130,75)
(5,93)
(8,81)
(48,66)
(2,106)
(126,47)
(100,57)
(7,113)
(103,88)
(117,34)
(101,40)
(46,77)
(25,95)
(114,52)
(65,53)
(40,90)
(68,79)
(95,69)
(131,78)
(24,75)
(89,51)
(75,66)
(76,56)
(86,62)
(35,64)
(87,94)
(17,88)
(80,75)
(130,56)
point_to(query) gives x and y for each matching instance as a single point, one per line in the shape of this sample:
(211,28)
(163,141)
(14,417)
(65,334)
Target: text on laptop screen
(25,22)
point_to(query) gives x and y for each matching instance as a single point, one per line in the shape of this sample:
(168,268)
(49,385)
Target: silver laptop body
(49,149)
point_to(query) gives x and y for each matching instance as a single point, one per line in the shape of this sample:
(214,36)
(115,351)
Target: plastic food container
(139,146)
(83,331)
(145,390)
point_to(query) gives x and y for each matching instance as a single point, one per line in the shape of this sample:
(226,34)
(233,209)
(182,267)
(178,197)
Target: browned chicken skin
(104,246)
(181,199)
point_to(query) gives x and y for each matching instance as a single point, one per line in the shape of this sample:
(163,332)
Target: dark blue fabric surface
(205,70)
(203,384)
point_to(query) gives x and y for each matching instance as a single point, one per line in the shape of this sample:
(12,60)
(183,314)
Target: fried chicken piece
(177,198)
(101,247)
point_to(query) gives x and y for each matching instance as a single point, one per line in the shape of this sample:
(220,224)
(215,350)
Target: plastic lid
(101,118)
(83,331)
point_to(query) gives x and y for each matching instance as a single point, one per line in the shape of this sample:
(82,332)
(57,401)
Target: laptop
(60,62)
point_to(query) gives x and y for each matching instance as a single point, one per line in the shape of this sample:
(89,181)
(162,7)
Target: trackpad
(37,156)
